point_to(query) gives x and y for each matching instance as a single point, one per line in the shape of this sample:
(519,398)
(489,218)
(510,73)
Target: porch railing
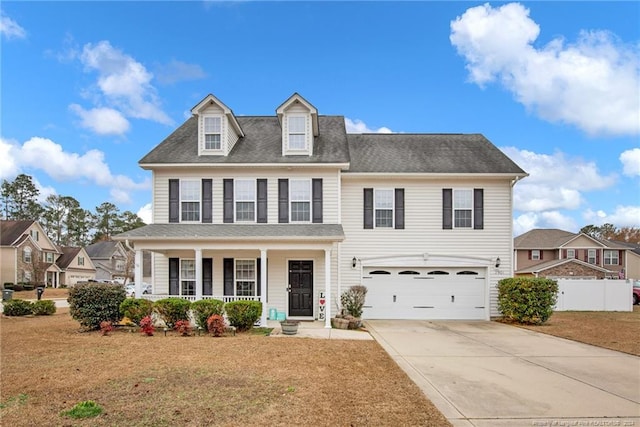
(225,298)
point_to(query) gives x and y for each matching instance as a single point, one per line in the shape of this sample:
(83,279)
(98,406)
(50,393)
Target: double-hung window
(48,257)
(190,200)
(80,260)
(591,256)
(383,205)
(187,277)
(611,258)
(462,208)
(571,253)
(300,200)
(297,133)
(245,277)
(535,254)
(26,255)
(245,199)
(212,133)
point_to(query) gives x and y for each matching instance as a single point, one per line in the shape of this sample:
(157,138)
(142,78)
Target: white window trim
(609,260)
(589,257)
(199,182)
(393,207)
(80,260)
(571,253)
(181,279)
(289,148)
(310,200)
(236,200)
(205,133)
(236,280)
(27,255)
(454,209)
(535,254)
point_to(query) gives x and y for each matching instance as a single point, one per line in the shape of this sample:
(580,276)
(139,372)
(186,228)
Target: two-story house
(291,210)
(27,255)
(562,254)
(75,265)
(111,260)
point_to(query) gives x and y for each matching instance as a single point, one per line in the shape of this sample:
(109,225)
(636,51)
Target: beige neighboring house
(562,254)
(27,255)
(75,266)
(291,210)
(111,260)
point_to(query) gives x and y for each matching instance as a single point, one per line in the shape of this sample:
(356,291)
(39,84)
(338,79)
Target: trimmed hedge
(205,308)
(172,309)
(44,307)
(527,299)
(92,303)
(243,314)
(17,307)
(135,309)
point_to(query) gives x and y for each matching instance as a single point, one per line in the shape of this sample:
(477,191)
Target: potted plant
(289,327)
(352,304)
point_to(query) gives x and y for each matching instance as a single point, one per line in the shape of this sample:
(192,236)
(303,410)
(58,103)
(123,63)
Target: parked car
(131,289)
(636,292)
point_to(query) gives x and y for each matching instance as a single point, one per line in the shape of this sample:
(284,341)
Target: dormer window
(212,132)
(297,133)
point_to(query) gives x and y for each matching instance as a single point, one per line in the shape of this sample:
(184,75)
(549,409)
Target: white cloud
(65,166)
(591,83)
(145,213)
(10,29)
(554,181)
(103,121)
(123,84)
(177,71)
(622,216)
(549,219)
(631,162)
(358,126)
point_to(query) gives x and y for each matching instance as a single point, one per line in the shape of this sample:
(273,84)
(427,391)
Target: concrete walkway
(490,374)
(317,330)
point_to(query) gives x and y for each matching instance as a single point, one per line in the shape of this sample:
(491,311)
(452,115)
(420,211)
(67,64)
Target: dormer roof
(296,99)
(210,100)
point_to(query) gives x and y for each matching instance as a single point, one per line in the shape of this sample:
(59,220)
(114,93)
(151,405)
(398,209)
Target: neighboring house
(291,210)
(27,255)
(111,260)
(75,266)
(562,254)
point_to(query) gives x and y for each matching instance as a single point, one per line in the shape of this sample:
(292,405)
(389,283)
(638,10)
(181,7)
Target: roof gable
(583,240)
(543,238)
(11,231)
(211,100)
(294,100)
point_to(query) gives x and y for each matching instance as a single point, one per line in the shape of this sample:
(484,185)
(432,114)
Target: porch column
(327,287)
(263,286)
(198,274)
(137,273)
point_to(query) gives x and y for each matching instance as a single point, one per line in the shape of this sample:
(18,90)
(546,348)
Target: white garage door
(424,293)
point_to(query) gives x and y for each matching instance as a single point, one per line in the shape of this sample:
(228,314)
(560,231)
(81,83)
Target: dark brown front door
(300,288)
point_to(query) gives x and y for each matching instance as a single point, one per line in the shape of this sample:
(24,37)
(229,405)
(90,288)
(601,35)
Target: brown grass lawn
(49,293)
(48,366)
(609,329)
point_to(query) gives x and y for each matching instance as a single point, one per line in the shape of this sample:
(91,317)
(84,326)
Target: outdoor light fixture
(497,262)
(353,262)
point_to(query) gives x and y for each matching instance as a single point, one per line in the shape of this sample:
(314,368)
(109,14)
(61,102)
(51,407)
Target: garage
(424,293)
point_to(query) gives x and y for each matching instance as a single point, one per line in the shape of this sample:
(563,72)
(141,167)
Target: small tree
(92,303)
(353,300)
(527,299)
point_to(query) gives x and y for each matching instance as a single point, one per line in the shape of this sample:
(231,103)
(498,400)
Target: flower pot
(339,323)
(289,327)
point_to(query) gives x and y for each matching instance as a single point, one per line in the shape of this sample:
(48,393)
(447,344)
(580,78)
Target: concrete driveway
(481,373)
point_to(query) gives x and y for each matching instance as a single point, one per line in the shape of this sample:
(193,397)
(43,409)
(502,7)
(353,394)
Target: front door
(300,288)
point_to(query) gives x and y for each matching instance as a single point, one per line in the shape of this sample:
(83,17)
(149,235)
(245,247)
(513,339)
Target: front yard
(48,367)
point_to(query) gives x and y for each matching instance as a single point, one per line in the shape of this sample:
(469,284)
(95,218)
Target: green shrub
(92,303)
(18,287)
(8,285)
(28,286)
(527,299)
(135,309)
(243,314)
(172,309)
(44,307)
(352,300)
(205,308)
(17,307)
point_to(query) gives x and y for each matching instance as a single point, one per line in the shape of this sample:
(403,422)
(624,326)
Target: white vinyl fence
(594,295)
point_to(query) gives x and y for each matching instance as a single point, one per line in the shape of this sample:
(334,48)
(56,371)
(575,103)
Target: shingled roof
(262,143)
(10,231)
(68,254)
(543,238)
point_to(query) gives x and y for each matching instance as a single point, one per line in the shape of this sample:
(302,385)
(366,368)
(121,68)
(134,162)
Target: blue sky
(88,88)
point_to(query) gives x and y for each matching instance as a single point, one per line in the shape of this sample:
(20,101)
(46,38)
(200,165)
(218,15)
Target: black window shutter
(316,190)
(174,276)
(262,200)
(620,253)
(399,213)
(283,200)
(478,208)
(207,202)
(368,208)
(227,266)
(207,276)
(174,200)
(258,276)
(447,208)
(227,200)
